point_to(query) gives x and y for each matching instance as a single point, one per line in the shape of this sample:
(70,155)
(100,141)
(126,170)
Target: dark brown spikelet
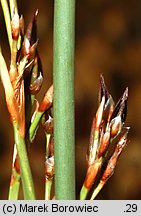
(107,129)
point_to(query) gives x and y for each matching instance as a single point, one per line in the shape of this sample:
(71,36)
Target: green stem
(48,186)
(83,193)
(14,186)
(28,187)
(34,125)
(63,74)
(7,20)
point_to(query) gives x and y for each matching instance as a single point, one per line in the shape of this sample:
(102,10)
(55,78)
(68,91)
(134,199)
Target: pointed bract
(121,107)
(103,89)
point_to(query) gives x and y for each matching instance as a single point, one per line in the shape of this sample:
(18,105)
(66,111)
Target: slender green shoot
(27,182)
(15,185)
(34,125)
(48,186)
(84,192)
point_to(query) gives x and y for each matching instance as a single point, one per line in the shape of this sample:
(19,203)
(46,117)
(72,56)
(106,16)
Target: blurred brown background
(108,41)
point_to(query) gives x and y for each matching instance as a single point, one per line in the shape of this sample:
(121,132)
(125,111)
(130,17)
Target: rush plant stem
(63,75)
(34,125)
(15,185)
(48,186)
(84,192)
(26,177)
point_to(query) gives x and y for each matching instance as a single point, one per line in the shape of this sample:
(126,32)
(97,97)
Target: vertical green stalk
(63,74)
(26,176)
(48,186)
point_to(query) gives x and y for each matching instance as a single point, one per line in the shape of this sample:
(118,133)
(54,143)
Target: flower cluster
(24,78)
(107,130)
(22,81)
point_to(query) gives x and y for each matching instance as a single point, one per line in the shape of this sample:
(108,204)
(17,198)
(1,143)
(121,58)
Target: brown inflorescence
(107,129)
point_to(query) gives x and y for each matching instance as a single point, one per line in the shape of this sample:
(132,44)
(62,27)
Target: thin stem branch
(15,185)
(63,72)
(84,192)
(34,125)
(28,187)
(48,186)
